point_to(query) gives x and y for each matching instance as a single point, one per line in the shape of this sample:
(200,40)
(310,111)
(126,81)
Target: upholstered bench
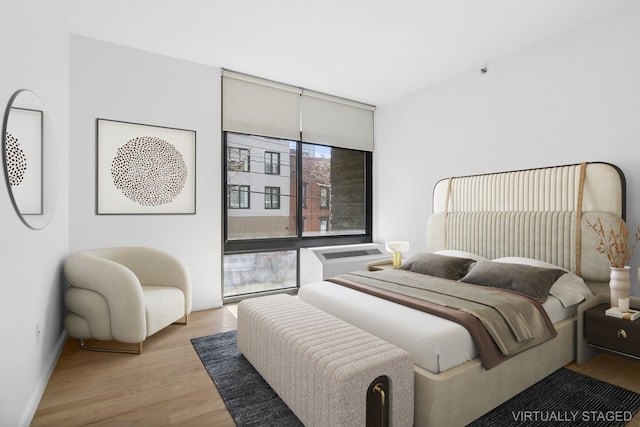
(329,372)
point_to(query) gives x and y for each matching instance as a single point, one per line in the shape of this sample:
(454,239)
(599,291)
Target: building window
(324,198)
(304,194)
(271,163)
(324,224)
(272,197)
(238,160)
(238,196)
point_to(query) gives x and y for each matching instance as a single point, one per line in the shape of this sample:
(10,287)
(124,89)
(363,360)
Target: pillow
(570,288)
(432,264)
(525,279)
(460,254)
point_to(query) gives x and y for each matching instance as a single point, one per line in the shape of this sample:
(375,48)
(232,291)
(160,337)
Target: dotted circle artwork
(16,160)
(149,171)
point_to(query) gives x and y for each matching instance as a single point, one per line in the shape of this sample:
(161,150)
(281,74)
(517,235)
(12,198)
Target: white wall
(35,55)
(109,81)
(572,99)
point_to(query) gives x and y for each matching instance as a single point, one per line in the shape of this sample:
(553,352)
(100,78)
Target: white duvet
(436,344)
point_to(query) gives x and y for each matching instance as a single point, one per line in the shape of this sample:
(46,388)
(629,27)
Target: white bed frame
(534,213)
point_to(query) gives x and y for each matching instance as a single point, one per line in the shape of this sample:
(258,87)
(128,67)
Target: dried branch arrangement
(615,243)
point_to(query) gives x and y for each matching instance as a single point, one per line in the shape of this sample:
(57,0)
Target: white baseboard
(32,407)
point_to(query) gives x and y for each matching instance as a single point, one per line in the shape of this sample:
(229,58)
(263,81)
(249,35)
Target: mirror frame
(48,184)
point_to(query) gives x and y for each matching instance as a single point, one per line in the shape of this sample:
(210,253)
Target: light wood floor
(167,384)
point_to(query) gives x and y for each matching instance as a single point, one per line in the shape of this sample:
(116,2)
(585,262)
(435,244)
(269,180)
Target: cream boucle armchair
(124,294)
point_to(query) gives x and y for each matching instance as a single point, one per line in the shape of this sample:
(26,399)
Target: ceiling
(373,51)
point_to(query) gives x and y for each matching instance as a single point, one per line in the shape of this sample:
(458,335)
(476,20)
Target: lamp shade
(397,246)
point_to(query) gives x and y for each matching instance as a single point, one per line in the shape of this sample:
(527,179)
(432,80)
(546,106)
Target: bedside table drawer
(609,332)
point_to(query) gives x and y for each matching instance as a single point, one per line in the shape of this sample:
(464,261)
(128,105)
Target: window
(344,172)
(272,163)
(304,194)
(276,216)
(333,192)
(258,271)
(238,160)
(238,196)
(310,156)
(333,186)
(324,198)
(272,197)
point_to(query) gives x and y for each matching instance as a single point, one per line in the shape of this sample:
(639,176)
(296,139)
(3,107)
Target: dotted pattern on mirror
(16,160)
(149,171)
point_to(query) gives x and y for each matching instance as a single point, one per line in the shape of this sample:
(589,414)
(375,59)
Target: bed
(534,217)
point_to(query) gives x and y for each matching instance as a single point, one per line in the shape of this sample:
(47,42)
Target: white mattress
(436,344)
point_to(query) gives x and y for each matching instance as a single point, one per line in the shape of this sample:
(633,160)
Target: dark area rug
(566,398)
(249,398)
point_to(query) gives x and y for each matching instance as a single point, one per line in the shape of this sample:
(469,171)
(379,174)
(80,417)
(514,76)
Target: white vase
(619,283)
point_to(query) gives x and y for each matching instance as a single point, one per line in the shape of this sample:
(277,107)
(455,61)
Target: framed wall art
(23,158)
(144,169)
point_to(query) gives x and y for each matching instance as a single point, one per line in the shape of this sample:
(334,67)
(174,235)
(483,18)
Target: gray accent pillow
(570,289)
(447,267)
(525,279)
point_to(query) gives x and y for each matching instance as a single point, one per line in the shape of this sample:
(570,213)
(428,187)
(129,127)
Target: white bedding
(436,344)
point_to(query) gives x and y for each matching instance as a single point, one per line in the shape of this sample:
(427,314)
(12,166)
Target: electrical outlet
(38,332)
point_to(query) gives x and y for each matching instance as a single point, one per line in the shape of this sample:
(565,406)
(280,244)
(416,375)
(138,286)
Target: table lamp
(397,248)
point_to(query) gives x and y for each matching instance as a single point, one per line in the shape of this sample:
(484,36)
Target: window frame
(324,197)
(244,162)
(240,192)
(298,241)
(271,163)
(269,194)
(303,196)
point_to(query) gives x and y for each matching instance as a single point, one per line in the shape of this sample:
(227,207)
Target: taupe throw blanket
(502,323)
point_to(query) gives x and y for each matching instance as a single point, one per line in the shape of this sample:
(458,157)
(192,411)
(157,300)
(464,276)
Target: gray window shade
(260,107)
(336,122)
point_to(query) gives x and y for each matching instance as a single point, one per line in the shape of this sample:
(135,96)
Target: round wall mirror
(29,159)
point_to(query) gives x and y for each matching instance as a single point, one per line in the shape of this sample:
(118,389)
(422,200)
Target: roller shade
(336,122)
(263,107)
(260,107)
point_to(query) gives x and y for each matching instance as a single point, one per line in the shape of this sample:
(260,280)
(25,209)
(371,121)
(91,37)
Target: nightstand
(384,264)
(611,334)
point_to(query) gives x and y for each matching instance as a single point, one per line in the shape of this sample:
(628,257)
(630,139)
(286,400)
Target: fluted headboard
(533,213)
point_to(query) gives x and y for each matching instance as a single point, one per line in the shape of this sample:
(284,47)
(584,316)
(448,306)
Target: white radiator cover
(317,264)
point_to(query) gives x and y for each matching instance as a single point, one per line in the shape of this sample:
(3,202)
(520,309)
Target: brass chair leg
(83,346)
(184,322)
